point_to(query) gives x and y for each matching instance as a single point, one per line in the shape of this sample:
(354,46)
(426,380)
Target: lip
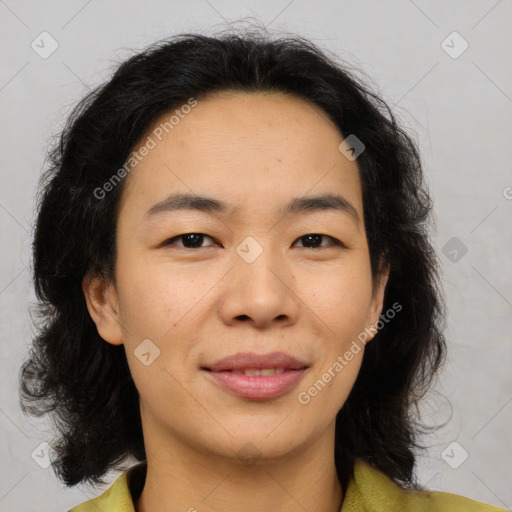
(246,360)
(257,387)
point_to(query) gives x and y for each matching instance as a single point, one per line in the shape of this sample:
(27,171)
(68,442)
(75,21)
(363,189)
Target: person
(236,285)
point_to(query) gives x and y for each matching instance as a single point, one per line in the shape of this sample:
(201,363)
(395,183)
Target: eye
(189,240)
(309,241)
(315,240)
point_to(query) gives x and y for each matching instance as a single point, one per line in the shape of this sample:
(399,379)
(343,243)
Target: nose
(260,292)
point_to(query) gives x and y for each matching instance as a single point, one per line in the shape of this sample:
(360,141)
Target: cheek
(324,393)
(156,306)
(341,299)
(152,298)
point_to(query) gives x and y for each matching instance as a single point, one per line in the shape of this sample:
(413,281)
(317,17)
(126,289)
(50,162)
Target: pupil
(194,238)
(315,238)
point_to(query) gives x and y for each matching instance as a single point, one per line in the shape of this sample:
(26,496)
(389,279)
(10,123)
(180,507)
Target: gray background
(459,110)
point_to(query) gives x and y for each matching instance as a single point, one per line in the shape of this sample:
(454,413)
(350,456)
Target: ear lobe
(101,298)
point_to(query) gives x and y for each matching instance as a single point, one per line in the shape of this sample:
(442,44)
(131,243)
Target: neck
(182,478)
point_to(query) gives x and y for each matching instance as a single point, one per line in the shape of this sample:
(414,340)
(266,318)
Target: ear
(103,306)
(379,288)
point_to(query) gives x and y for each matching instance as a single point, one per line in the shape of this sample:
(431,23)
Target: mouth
(250,361)
(257,377)
(266,372)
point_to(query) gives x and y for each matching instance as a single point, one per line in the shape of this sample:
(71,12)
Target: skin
(255,152)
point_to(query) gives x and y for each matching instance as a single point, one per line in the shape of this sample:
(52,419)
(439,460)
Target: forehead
(243,146)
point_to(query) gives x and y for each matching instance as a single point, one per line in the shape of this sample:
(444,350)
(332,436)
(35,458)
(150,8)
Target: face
(197,282)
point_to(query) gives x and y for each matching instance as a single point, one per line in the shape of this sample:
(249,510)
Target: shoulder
(370,490)
(119,497)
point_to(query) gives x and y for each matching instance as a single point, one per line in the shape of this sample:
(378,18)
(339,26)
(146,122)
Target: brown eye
(314,241)
(189,240)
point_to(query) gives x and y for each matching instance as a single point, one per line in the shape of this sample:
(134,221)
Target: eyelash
(334,241)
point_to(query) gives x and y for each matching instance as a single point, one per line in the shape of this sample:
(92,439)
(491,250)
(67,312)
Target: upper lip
(250,360)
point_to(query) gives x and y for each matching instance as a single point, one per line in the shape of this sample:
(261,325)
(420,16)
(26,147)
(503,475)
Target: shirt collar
(368,490)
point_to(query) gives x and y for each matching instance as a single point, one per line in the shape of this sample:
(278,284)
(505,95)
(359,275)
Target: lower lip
(260,387)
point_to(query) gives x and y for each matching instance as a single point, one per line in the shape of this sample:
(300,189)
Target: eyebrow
(298,205)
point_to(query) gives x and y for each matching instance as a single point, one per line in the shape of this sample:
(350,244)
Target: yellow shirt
(369,490)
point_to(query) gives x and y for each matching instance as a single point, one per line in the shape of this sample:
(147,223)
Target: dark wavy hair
(85,383)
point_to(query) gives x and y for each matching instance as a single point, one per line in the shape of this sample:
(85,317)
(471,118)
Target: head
(293,243)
